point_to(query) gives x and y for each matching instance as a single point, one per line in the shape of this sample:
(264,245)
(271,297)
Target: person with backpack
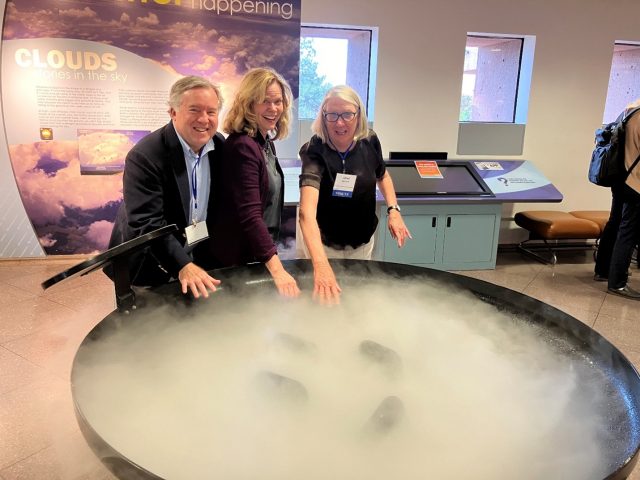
(622,232)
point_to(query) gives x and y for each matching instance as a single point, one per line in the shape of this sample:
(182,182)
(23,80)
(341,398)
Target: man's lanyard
(194,182)
(343,155)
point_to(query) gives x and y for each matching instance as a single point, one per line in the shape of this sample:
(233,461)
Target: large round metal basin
(416,374)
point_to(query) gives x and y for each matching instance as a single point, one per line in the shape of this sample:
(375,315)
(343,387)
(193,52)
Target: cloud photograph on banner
(89,78)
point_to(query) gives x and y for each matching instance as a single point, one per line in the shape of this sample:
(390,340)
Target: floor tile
(32,282)
(93,299)
(512,271)
(619,330)
(54,349)
(513,280)
(560,290)
(39,270)
(30,315)
(17,372)
(69,458)
(10,294)
(33,417)
(617,306)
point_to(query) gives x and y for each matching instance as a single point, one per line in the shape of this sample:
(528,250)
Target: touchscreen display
(457,179)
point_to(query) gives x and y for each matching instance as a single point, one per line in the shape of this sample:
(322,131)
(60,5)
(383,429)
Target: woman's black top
(344,221)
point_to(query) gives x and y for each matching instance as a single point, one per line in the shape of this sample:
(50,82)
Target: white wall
(421,53)
(420,62)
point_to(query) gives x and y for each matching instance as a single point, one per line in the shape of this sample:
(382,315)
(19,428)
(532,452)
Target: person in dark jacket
(250,187)
(167,178)
(622,232)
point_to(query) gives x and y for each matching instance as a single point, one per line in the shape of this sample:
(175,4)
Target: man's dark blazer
(156,193)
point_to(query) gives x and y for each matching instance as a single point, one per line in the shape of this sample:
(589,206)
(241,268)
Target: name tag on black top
(344,184)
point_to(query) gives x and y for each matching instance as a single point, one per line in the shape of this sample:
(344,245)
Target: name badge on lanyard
(344,184)
(196,233)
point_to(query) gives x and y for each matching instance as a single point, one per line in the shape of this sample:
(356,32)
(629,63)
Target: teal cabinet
(423,251)
(445,236)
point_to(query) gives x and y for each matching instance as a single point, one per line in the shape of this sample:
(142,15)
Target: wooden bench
(552,226)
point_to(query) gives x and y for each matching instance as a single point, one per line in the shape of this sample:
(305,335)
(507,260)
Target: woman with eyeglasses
(249,185)
(341,165)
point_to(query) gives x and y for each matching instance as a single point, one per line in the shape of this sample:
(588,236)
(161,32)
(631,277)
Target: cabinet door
(420,250)
(469,238)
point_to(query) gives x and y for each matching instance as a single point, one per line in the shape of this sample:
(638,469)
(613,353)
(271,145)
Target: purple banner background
(73,213)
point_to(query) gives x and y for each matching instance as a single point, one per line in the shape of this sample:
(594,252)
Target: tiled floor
(41,331)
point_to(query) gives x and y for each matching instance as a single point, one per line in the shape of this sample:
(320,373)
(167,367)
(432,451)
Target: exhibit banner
(84,80)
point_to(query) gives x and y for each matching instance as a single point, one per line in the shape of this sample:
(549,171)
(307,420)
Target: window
(496,78)
(624,79)
(335,55)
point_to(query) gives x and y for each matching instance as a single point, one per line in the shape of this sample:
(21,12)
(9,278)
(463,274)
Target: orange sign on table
(428,169)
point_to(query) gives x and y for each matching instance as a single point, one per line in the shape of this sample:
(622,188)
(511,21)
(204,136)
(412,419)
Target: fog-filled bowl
(614,407)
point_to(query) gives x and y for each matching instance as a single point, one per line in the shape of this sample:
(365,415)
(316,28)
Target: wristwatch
(392,207)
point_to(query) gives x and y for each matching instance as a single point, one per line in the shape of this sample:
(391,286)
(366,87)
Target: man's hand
(194,278)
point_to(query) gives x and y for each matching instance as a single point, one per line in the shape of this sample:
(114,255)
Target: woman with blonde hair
(341,166)
(249,187)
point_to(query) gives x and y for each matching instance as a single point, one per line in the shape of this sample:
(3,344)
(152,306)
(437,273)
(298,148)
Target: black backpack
(607,160)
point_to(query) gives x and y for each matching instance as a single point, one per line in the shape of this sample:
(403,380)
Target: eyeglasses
(345,116)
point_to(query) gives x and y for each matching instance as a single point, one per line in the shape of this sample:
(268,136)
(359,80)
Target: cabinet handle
(448,222)
(433,222)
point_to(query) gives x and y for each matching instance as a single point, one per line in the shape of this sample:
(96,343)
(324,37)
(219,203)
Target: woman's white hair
(348,94)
